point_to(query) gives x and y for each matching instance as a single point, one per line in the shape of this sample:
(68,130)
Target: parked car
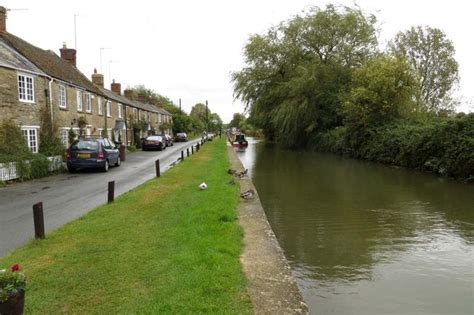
(92,152)
(154,143)
(181,136)
(169,140)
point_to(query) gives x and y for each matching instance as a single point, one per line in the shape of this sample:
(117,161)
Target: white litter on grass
(203,186)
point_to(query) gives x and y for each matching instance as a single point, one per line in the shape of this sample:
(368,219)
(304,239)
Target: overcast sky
(187,49)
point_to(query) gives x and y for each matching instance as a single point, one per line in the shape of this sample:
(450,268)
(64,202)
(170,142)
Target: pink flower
(15,267)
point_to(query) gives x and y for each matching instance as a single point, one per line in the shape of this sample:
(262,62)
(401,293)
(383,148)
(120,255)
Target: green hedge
(444,146)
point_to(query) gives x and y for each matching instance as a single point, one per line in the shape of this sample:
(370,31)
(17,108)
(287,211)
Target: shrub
(12,143)
(444,146)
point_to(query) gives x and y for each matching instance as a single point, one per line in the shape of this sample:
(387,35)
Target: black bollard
(110,197)
(182,155)
(38,220)
(157,167)
(187,152)
(192,149)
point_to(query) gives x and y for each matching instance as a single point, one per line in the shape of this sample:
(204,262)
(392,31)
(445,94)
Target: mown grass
(164,247)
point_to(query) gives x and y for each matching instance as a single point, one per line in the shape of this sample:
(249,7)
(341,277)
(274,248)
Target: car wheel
(106,166)
(118,162)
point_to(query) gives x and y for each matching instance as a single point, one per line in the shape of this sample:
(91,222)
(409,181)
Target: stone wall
(11,108)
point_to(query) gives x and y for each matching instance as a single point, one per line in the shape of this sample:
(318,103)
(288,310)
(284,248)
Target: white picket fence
(8,170)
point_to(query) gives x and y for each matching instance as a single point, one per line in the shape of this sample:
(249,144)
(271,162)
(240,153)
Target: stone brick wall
(11,108)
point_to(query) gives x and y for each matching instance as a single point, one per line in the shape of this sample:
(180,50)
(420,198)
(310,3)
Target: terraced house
(34,81)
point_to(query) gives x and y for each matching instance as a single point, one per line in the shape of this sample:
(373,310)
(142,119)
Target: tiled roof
(164,111)
(49,62)
(10,58)
(115,97)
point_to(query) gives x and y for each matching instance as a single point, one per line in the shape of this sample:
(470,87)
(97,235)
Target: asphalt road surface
(68,196)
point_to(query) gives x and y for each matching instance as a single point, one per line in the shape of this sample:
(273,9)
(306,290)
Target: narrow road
(68,196)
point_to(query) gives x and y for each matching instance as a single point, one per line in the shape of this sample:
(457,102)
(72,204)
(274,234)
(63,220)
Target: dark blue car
(92,152)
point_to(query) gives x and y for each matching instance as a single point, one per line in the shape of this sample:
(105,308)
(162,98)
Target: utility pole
(180,105)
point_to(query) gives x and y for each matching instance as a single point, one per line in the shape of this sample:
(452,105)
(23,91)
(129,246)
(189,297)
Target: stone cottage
(34,81)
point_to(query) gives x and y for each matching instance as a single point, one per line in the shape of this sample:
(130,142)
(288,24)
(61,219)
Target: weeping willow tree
(296,71)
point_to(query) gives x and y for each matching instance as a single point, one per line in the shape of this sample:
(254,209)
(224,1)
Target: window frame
(120,110)
(108,107)
(35,146)
(64,138)
(99,106)
(23,96)
(79,100)
(88,102)
(62,96)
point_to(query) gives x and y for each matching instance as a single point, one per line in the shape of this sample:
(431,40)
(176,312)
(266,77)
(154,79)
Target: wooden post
(197,146)
(110,197)
(38,220)
(182,155)
(157,167)
(187,152)
(192,149)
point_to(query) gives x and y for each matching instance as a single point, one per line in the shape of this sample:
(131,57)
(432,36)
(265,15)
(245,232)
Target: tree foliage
(237,120)
(318,80)
(295,71)
(431,55)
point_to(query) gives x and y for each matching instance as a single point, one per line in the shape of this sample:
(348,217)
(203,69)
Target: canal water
(364,238)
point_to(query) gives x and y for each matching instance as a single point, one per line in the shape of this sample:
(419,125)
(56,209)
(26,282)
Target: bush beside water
(444,146)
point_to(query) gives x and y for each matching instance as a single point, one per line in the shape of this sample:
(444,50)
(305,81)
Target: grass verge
(164,247)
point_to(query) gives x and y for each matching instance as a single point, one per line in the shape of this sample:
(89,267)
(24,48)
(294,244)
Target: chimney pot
(128,94)
(68,54)
(116,87)
(3,19)
(98,79)
(142,97)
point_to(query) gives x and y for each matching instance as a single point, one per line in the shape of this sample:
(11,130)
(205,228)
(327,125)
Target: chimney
(128,94)
(3,20)
(142,97)
(68,54)
(98,79)
(116,87)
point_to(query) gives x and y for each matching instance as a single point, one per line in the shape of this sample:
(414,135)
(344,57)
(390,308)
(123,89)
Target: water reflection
(365,238)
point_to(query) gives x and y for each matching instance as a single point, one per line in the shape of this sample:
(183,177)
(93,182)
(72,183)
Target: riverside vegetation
(164,247)
(320,81)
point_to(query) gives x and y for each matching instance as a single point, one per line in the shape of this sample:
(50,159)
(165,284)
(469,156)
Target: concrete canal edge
(272,287)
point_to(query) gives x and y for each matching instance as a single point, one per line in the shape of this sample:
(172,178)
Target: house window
(79,101)
(99,105)
(26,88)
(31,138)
(64,135)
(107,108)
(120,110)
(88,102)
(62,96)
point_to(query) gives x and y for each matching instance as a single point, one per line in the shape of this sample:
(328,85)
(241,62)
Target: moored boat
(237,139)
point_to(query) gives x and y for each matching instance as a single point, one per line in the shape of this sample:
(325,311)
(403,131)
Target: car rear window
(85,145)
(154,138)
